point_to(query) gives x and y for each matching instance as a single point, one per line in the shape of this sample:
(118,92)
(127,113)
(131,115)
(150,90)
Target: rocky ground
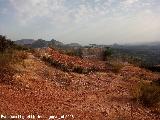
(40,89)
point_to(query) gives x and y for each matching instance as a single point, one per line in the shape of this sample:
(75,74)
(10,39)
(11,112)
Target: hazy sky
(82,21)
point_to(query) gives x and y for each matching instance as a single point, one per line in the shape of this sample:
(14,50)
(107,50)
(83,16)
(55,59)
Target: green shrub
(107,53)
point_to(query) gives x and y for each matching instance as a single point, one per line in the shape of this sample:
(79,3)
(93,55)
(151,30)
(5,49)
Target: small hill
(40,43)
(25,41)
(73,45)
(54,42)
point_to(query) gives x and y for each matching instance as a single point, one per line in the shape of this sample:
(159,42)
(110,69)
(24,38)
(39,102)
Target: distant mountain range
(43,43)
(40,43)
(25,41)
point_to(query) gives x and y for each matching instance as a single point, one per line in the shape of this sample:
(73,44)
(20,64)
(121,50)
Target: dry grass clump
(7,62)
(13,57)
(6,72)
(5,59)
(147,94)
(115,66)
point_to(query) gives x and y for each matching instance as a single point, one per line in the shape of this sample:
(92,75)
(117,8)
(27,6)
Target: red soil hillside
(39,89)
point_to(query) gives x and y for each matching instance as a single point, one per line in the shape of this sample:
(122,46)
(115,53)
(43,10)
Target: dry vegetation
(147,94)
(7,62)
(10,54)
